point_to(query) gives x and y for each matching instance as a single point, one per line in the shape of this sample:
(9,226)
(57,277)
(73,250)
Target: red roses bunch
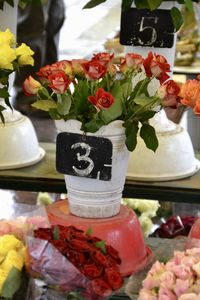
(99,91)
(74,261)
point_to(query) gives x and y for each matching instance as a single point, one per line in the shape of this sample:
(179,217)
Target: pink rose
(168,92)
(182,271)
(166,294)
(167,279)
(31,86)
(151,281)
(5,227)
(131,61)
(181,286)
(146,294)
(189,296)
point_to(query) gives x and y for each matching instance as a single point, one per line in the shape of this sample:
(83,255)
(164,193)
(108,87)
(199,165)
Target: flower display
(82,263)
(151,5)
(12,57)
(178,279)
(145,210)
(12,259)
(98,91)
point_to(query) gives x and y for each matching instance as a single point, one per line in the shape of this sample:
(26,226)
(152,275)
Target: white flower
(146,224)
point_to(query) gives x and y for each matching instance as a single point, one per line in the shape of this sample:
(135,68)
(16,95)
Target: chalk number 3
(85,157)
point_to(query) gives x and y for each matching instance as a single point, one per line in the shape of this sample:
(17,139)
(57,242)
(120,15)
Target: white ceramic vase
(163,164)
(92,198)
(18,139)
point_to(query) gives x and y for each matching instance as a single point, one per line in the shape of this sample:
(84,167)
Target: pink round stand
(122,231)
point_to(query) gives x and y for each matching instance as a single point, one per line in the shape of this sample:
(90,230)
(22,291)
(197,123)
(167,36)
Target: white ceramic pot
(92,198)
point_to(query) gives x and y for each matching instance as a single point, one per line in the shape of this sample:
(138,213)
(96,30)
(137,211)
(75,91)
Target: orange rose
(197,107)
(31,86)
(59,82)
(94,70)
(190,92)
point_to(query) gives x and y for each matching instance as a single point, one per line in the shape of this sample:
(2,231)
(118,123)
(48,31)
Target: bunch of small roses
(178,279)
(72,260)
(97,92)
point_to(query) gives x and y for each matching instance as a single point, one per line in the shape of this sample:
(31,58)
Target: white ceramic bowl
(173,159)
(19,143)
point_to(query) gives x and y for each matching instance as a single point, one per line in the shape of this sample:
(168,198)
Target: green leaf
(92,126)
(45,105)
(148,134)
(177,18)
(12,283)
(56,233)
(102,246)
(74,296)
(4,93)
(116,109)
(146,115)
(81,93)
(131,134)
(43,94)
(64,104)
(188,4)
(89,231)
(93,3)
(149,4)
(142,100)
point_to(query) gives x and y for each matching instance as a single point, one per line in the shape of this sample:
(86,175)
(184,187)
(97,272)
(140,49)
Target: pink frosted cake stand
(122,231)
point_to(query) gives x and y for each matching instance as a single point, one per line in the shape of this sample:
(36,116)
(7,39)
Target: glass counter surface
(43,177)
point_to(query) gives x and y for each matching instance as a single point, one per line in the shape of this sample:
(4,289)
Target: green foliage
(12,283)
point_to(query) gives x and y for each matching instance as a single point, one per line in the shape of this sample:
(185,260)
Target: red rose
(102,99)
(104,58)
(44,72)
(77,258)
(100,287)
(100,258)
(94,70)
(43,234)
(169,92)
(157,66)
(114,278)
(60,245)
(91,270)
(59,82)
(113,253)
(80,245)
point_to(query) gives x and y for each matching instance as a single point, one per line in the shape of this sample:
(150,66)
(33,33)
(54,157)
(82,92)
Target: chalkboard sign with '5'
(145,28)
(85,156)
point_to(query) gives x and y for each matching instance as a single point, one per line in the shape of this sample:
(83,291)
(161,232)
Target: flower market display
(178,279)
(97,92)
(12,58)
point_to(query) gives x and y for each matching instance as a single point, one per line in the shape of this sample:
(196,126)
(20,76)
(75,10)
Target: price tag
(84,156)
(145,28)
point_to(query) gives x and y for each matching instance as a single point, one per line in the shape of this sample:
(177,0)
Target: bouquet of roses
(178,279)
(71,261)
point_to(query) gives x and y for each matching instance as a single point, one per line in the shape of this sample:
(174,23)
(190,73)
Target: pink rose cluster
(178,279)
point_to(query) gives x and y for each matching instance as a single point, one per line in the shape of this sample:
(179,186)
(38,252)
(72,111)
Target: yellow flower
(24,55)
(13,259)
(7,37)
(9,242)
(3,276)
(7,56)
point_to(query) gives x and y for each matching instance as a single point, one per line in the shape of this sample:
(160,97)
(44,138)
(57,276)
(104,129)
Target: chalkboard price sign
(145,28)
(84,156)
